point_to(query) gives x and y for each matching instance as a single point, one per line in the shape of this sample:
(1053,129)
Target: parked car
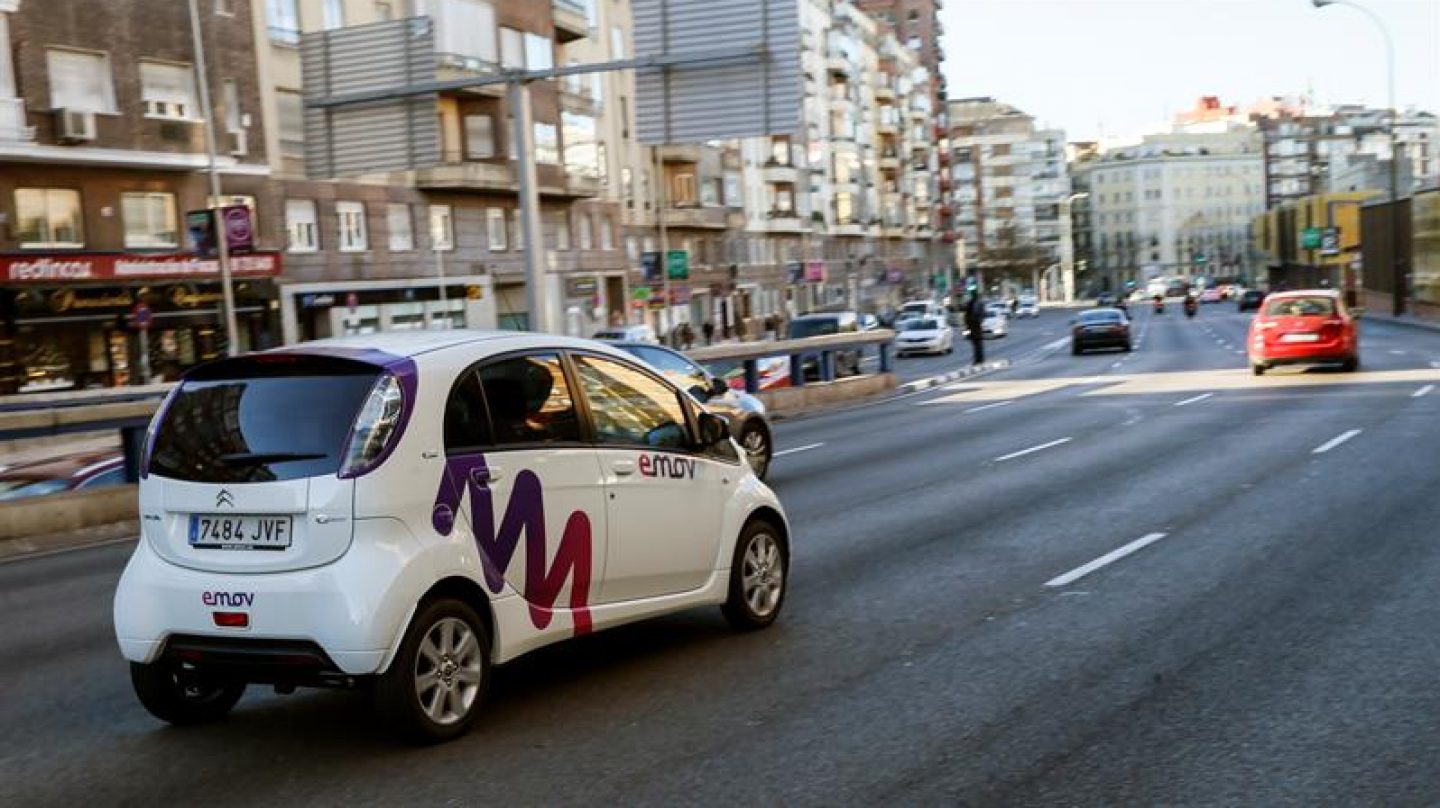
(921,308)
(997,320)
(930,335)
(1100,328)
(629,333)
(1211,295)
(745,413)
(847,362)
(1028,306)
(1303,327)
(1249,300)
(349,513)
(76,471)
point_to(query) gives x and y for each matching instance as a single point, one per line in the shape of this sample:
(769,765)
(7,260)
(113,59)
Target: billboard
(692,103)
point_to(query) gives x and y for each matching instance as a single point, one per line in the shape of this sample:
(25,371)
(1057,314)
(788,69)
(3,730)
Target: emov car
(407,510)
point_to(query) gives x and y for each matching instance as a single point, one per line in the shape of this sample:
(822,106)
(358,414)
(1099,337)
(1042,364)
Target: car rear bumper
(1303,352)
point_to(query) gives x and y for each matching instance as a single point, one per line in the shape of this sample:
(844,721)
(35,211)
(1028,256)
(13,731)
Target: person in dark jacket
(975,326)
(708,329)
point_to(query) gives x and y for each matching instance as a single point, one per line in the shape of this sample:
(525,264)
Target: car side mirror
(718,387)
(713,430)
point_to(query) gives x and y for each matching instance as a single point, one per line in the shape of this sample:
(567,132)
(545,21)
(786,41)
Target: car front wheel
(755,440)
(436,683)
(183,694)
(758,577)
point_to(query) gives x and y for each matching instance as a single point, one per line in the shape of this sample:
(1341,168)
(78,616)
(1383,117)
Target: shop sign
(677,265)
(581,287)
(640,294)
(316,301)
(239,231)
(119,266)
(63,300)
(474,292)
(794,271)
(200,224)
(815,271)
(186,297)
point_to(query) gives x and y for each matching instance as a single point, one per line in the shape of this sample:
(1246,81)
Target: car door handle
(623,468)
(488,474)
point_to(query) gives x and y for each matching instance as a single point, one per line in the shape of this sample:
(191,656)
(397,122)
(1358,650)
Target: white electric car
(412,508)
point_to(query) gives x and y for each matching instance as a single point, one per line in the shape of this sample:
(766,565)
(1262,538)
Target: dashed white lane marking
(1396,352)
(1424,391)
(1033,449)
(1335,441)
(805,448)
(989,406)
(1109,558)
(1193,399)
(1050,346)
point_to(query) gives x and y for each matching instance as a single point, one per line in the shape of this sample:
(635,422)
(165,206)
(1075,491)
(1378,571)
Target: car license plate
(212,532)
(1300,338)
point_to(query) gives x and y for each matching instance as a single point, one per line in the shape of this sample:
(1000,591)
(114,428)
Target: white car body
(602,544)
(920,308)
(937,338)
(997,320)
(1028,306)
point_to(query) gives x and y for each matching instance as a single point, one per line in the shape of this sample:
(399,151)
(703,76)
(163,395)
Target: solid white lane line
(1335,441)
(1189,401)
(1033,449)
(1109,558)
(1396,352)
(1423,391)
(805,448)
(984,407)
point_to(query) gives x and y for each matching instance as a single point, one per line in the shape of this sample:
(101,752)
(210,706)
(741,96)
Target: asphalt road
(1143,578)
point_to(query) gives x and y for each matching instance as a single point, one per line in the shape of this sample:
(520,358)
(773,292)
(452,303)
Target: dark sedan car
(1250,300)
(745,412)
(76,471)
(1100,328)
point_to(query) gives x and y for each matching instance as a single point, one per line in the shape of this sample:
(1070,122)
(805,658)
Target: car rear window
(922,325)
(1100,317)
(261,419)
(1300,307)
(800,329)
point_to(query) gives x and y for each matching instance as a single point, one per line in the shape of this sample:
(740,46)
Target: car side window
(114,476)
(529,401)
(631,408)
(467,419)
(677,368)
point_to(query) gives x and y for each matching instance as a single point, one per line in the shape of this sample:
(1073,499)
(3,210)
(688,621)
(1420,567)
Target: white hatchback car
(409,509)
(997,320)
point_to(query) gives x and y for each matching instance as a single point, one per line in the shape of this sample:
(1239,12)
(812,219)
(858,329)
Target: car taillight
(375,427)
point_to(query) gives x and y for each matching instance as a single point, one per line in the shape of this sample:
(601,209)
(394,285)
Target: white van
(408,509)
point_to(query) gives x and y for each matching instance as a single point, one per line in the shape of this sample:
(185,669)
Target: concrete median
(57,521)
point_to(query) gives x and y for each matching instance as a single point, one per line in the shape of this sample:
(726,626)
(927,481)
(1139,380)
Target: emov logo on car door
(671,466)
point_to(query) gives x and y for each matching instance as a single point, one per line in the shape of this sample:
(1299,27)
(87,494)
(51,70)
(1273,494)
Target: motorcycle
(1191,306)
(1159,305)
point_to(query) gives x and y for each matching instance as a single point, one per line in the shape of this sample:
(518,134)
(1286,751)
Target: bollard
(752,376)
(132,441)
(884,357)
(797,370)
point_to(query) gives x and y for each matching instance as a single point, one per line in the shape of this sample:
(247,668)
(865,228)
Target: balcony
(697,217)
(838,63)
(884,93)
(581,103)
(468,176)
(885,127)
(782,221)
(570,21)
(893,229)
(851,227)
(13,126)
(890,162)
(780,172)
(683,153)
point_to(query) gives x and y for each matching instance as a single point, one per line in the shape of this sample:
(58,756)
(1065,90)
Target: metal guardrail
(127,410)
(820,350)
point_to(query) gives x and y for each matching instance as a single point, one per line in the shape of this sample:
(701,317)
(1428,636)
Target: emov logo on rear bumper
(231,599)
(661,465)
(525,511)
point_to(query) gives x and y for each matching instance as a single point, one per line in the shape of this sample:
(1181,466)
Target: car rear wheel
(758,577)
(436,683)
(1350,365)
(755,440)
(184,694)
(1258,368)
(1076,350)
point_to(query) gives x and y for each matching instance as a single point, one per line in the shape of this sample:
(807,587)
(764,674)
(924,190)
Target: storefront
(68,321)
(341,308)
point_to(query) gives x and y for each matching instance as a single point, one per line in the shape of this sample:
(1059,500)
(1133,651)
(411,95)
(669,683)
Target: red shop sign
(52,269)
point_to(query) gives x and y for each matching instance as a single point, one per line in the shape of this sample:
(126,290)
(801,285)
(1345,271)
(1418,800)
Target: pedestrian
(742,331)
(708,329)
(772,326)
(687,336)
(975,326)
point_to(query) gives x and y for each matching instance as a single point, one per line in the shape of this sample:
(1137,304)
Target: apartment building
(1305,147)
(1177,204)
(101,151)
(916,24)
(1010,177)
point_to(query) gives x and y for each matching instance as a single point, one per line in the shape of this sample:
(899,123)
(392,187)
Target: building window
(402,231)
(562,230)
(80,81)
(607,235)
(290,109)
(334,14)
(225,8)
(384,11)
(168,91)
(479,137)
(230,101)
(463,27)
(539,53)
(512,49)
(442,228)
(48,217)
(350,218)
(617,42)
(682,189)
(283,18)
(547,143)
(632,249)
(302,233)
(586,239)
(495,228)
(150,221)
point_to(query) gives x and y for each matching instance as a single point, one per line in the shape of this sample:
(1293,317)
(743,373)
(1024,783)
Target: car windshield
(1300,307)
(1093,317)
(261,419)
(814,327)
(926,324)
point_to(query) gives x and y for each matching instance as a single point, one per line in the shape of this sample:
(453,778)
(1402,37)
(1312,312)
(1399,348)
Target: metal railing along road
(127,410)
(819,352)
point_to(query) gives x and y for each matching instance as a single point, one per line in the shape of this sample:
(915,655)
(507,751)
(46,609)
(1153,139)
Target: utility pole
(232,345)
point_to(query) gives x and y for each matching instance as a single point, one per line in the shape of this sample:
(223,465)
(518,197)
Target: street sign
(1310,238)
(699,102)
(239,231)
(677,265)
(650,266)
(1330,241)
(141,316)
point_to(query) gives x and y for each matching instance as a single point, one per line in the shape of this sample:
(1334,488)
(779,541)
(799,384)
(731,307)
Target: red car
(1303,327)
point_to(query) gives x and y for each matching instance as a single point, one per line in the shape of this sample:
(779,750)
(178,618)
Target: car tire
(183,695)
(1128,347)
(1076,350)
(755,440)
(1350,365)
(759,574)
(435,685)
(1258,368)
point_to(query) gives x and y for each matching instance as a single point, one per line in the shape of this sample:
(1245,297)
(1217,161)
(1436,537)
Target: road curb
(1408,323)
(20,548)
(954,375)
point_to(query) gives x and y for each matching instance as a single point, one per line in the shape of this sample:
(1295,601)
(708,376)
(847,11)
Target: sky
(1120,68)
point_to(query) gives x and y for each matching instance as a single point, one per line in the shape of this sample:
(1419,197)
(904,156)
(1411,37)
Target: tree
(1011,256)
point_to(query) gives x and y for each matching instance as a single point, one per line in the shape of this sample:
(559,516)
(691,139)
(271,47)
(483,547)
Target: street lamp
(1397,263)
(1067,246)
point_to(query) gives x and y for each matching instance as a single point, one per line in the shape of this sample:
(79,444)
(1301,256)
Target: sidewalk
(1409,320)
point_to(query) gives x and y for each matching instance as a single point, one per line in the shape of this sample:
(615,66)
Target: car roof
(415,343)
(1103,310)
(62,467)
(1306,293)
